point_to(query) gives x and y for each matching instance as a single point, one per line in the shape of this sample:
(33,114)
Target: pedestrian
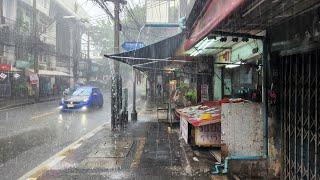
(159,88)
(54,89)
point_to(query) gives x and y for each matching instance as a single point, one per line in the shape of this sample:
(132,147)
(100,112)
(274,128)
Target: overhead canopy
(215,12)
(153,56)
(51,73)
(249,17)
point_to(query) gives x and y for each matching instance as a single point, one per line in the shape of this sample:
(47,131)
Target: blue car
(82,99)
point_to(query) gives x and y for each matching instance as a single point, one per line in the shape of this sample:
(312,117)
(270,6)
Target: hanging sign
(130,46)
(5,67)
(204,92)
(16,76)
(3,76)
(224,57)
(34,79)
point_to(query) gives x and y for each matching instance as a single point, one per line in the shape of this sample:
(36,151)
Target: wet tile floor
(147,150)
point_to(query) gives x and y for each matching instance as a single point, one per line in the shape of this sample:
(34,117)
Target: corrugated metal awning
(154,55)
(51,73)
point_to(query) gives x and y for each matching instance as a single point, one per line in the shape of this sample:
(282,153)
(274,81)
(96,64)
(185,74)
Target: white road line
(43,115)
(4,108)
(58,157)
(24,105)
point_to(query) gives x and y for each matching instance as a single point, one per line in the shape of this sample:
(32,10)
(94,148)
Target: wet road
(31,134)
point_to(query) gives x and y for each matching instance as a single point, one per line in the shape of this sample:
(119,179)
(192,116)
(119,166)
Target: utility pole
(116,28)
(35,48)
(76,50)
(116,99)
(115,102)
(116,89)
(1,22)
(1,11)
(88,56)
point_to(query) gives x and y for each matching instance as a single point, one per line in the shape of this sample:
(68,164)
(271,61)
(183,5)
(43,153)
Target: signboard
(16,75)
(3,76)
(184,128)
(34,79)
(5,67)
(130,46)
(227,87)
(208,135)
(224,57)
(204,92)
(23,64)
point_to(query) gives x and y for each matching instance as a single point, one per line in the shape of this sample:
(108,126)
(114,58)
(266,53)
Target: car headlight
(86,99)
(84,108)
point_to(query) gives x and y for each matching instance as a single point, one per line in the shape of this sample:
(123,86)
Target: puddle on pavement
(112,153)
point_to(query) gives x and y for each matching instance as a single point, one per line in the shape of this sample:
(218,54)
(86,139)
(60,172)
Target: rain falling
(159,89)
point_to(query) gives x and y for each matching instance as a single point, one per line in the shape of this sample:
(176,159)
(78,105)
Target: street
(159,89)
(31,134)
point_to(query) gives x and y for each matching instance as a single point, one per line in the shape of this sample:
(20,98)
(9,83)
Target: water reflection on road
(31,134)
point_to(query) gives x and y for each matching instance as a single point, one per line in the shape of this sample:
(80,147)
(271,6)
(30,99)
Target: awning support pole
(265,97)
(134,115)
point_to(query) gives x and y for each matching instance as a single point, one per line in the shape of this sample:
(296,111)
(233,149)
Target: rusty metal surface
(242,128)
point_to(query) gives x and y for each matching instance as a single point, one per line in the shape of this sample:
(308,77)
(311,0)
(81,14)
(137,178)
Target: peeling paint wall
(242,128)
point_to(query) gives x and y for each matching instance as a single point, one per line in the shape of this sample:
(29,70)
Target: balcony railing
(12,35)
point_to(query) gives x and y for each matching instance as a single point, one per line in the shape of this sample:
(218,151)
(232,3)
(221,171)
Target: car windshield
(82,92)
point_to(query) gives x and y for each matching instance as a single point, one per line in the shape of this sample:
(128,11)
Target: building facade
(51,46)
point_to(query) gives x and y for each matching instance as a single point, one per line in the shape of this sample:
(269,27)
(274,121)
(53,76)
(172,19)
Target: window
(82,92)
(45,3)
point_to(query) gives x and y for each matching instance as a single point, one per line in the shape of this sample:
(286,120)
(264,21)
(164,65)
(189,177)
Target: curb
(38,171)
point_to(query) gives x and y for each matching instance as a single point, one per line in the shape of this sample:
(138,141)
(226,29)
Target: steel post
(134,115)
(265,96)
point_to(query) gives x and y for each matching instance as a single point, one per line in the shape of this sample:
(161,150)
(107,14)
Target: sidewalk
(147,150)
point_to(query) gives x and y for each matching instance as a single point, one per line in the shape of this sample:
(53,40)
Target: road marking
(58,157)
(24,105)
(43,115)
(8,109)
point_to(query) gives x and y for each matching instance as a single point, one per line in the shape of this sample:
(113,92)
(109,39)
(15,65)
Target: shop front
(239,107)
(12,82)
(51,83)
(242,77)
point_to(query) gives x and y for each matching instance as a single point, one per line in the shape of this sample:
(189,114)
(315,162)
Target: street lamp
(134,114)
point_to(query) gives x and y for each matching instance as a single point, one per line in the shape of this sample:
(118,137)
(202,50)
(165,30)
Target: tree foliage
(102,36)
(131,23)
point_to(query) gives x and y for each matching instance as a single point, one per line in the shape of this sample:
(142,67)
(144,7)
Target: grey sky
(96,13)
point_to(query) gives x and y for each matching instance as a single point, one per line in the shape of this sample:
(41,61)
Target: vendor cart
(201,132)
